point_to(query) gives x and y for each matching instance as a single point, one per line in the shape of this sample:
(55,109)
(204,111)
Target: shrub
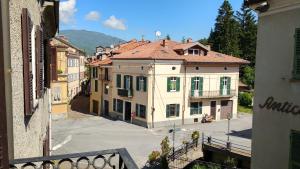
(245,99)
(165,146)
(230,162)
(59,71)
(195,135)
(153,156)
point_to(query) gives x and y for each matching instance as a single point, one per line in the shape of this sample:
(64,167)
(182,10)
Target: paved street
(92,133)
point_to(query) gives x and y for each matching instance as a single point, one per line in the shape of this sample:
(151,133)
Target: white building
(276,121)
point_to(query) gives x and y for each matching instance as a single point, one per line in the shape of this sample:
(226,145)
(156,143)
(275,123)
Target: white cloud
(67,10)
(114,23)
(92,16)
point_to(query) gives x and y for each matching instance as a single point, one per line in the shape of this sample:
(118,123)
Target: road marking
(68,139)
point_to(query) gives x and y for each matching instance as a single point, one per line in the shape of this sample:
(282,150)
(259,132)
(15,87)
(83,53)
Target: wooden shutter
(145,84)
(53,64)
(27,58)
(177,110)
(168,110)
(295,150)
(200,86)
(37,61)
(193,85)
(177,84)
(296,72)
(228,85)
(42,59)
(137,83)
(118,81)
(169,84)
(131,82)
(137,110)
(221,85)
(114,104)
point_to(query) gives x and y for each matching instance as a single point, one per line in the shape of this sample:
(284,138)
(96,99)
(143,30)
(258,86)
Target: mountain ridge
(89,40)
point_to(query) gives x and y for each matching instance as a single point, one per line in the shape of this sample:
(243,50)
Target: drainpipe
(184,92)
(153,92)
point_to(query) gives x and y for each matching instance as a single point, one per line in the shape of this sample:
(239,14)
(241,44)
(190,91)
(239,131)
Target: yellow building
(66,76)
(166,82)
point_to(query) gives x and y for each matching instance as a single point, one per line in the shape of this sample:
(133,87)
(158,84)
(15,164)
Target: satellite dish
(112,46)
(158,34)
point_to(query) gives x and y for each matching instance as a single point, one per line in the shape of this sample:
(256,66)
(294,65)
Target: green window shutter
(131,82)
(168,111)
(193,85)
(296,71)
(200,86)
(136,109)
(177,110)
(114,105)
(177,84)
(118,84)
(169,84)
(221,85)
(228,85)
(294,150)
(145,84)
(200,108)
(124,82)
(137,83)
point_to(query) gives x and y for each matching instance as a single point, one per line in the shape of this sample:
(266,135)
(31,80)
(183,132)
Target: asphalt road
(92,133)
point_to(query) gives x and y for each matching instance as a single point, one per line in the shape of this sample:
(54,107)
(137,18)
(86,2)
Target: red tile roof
(103,62)
(130,45)
(156,50)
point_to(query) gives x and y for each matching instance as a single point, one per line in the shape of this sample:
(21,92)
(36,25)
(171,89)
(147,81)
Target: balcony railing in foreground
(115,158)
(212,94)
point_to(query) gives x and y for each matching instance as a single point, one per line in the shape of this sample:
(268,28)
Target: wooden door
(106,107)
(226,109)
(95,106)
(213,109)
(3,122)
(127,111)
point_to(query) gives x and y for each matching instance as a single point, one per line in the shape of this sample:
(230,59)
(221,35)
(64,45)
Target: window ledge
(293,80)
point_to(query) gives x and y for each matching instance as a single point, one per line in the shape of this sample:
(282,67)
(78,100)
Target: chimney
(164,43)
(189,40)
(208,47)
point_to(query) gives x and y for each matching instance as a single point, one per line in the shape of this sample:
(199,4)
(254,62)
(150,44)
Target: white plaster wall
(274,64)
(27,136)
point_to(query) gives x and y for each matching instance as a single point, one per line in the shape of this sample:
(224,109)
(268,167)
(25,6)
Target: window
(56,95)
(173,84)
(197,86)
(118,81)
(193,51)
(296,71)
(140,111)
(105,89)
(141,83)
(127,82)
(225,86)
(96,85)
(294,150)
(172,110)
(118,105)
(106,74)
(196,108)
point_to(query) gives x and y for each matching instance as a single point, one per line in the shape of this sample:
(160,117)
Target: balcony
(125,92)
(114,158)
(212,94)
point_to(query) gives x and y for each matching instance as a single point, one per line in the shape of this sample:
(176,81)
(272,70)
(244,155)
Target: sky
(129,19)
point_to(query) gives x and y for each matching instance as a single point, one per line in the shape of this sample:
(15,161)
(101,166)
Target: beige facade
(27,130)
(66,75)
(276,121)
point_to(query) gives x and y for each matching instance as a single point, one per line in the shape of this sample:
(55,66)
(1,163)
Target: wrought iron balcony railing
(212,94)
(125,92)
(115,158)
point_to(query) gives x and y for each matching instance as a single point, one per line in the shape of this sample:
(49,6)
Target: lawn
(243,109)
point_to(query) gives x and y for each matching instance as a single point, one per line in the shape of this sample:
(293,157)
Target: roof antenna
(157,34)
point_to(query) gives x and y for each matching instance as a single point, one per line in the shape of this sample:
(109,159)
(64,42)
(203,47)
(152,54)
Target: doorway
(127,111)
(95,107)
(106,108)
(213,109)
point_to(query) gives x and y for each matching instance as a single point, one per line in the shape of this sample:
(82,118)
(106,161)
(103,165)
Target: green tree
(168,37)
(248,34)
(248,76)
(203,41)
(183,40)
(225,35)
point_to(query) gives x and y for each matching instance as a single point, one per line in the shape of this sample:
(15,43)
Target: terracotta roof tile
(130,45)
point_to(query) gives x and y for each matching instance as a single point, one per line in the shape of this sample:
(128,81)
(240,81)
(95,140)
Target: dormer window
(193,51)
